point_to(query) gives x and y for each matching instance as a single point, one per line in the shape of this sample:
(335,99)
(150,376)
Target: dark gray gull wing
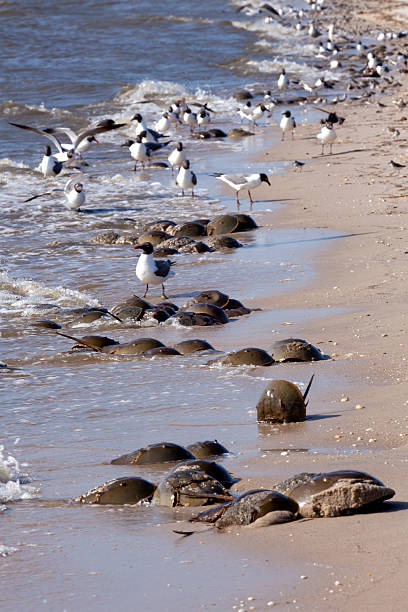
(162,267)
(41,132)
(103,126)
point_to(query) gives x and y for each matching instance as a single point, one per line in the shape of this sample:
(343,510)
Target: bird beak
(267,181)
(137,247)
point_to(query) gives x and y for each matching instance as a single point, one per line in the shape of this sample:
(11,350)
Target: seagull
(74,193)
(103,126)
(152,271)
(84,144)
(246,111)
(327,135)
(138,150)
(190,118)
(240,182)
(177,157)
(49,166)
(257,113)
(141,126)
(283,80)
(203,118)
(287,124)
(163,123)
(186,179)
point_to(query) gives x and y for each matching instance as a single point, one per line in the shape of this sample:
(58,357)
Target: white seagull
(152,271)
(103,126)
(74,193)
(163,124)
(177,157)
(190,119)
(327,135)
(138,150)
(283,80)
(242,182)
(287,124)
(50,166)
(186,179)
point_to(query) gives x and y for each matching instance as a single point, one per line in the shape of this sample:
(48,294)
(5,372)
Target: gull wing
(41,132)
(103,126)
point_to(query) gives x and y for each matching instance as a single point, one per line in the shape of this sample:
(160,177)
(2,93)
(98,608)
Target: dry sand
(359,561)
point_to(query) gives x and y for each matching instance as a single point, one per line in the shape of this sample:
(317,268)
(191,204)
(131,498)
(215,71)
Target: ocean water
(64,415)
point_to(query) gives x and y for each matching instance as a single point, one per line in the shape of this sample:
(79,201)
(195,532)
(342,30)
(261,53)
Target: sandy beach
(354,561)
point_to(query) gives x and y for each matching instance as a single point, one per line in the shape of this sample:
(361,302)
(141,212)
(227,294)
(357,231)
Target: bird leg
(250,197)
(147,289)
(331,145)
(283,136)
(182,193)
(192,193)
(238,204)
(135,167)
(163,293)
(322,149)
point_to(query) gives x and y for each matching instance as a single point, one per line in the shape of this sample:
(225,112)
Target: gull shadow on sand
(318,417)
(101,211)
(341,153)
(320,239)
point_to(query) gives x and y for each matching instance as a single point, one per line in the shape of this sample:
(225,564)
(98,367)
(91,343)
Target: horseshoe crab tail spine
(94,348)
(308,388)
(114,316)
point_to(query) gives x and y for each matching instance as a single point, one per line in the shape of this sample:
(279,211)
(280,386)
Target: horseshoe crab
(295,349)
(157,314)
(189,487)
(161,351)
(192,229)
(155,237)
(160,225)
(245,223)
(222,224)
(208,448)
(334,493)
(193,346)
(162,452)
(237,310)
(101,344)
(208,309)
(248,356)
(211,468)
(249,507)
(190,319)
(129,490)
(136,347)
(223,242)
(196,247)
(212,296)
(131,308)
(283,402)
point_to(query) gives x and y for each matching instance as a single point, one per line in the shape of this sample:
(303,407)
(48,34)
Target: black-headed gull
(327,135)
(243,182)
(186,179)
(287,123)
(152,271)
(74,193)
(177,156)
(138,150)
